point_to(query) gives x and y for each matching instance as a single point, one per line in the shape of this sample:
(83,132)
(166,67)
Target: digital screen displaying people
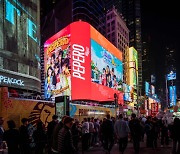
(106,69)
(57,68)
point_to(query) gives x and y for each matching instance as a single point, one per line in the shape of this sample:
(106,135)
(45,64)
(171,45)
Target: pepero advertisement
(57,65)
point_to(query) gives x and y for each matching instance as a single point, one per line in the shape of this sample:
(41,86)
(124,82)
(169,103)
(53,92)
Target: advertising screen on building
(171,76)
(127,92)
(107,70)
(152,90)
(172,96)
(81,63)
(57,65)
(133,67)
(147,88)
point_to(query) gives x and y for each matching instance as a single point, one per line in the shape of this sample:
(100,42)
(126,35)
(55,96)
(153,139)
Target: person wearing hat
(65,142)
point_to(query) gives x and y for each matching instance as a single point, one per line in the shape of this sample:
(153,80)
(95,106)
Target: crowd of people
(69,136)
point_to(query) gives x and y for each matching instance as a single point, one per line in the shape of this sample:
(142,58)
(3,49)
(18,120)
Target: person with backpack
(135,129)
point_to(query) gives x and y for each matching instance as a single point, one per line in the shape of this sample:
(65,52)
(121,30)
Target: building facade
(19,45)
(131,11)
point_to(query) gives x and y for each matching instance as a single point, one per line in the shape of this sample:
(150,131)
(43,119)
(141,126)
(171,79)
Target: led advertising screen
(107,70)
(133,67)
(127,92)
(152,90)
(172,96)
(147,88)
(57,65)
(75,60)
(171,76)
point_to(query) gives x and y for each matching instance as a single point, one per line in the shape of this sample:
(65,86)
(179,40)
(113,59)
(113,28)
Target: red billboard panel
(81,63)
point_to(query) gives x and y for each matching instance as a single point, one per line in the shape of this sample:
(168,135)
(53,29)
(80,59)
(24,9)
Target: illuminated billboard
(133,67)
(78,72)
(20,43)
(147,88)
(172,96)
(127,92)
(107,70)
(57,65)
(171,76)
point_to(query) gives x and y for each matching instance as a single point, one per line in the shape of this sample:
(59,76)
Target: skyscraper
(19,46)
(63,12)
(131,11)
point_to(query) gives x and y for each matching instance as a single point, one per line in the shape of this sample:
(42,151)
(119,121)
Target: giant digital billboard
(133,67)
(172,96)
(84,56)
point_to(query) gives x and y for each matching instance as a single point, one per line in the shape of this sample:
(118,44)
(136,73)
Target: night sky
(161,23)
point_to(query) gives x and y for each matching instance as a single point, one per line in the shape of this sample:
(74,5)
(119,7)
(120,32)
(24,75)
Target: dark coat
(65,142)
(11,136)
(135,128)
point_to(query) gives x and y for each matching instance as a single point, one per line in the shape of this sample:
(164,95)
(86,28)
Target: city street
(130,150)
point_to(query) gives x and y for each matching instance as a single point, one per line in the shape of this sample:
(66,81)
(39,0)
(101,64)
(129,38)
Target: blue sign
(127,92)
(171,76)
(172,95)
(147,89)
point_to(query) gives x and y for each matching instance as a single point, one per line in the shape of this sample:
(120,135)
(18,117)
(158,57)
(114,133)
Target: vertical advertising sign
(133,67)
(127,92)
(152,90)
(57,64)
(147,88)
(172,95)
(80,60)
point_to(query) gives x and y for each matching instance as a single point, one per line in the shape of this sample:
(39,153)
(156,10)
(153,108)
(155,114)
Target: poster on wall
(57,65)
(107,70)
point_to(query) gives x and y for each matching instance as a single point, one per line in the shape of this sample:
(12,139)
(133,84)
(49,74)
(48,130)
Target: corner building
(19,46)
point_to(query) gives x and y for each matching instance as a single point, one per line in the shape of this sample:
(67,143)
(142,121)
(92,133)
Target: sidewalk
(130,150)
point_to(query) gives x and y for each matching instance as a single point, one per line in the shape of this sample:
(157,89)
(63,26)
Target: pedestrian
(148,131)
(136,129)
(85,135)
(1,130)
(40,138)
(11,136)
(107,132)
(65,142)
(57,128)
(24,138)
(75,134)
(164,132)
(121,129)
(91,131)
(50,129)
(96,131)
(175,135)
